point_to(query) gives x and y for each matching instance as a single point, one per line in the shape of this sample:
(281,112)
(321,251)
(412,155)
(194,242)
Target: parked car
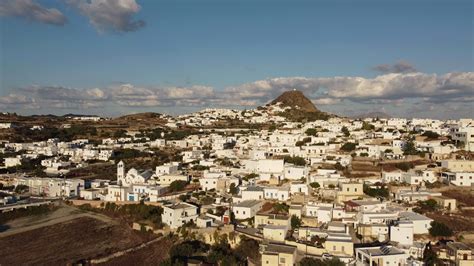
(242,226)
(326,256)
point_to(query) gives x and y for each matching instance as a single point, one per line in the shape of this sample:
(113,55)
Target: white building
(12,161)
(296,188)
(275,233)
(252,193)
(246,209)
(462,179)
(208,183)
(176,215)
(421,223)
(385,255)
(166,169)
(166,180)
(90,194)
(402,232)
(294,172)
(117,193)
(277,193)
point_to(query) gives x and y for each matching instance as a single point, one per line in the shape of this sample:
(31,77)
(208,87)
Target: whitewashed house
(176,215)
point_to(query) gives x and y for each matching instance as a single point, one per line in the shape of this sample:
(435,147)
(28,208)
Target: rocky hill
(295,99)
(301,108)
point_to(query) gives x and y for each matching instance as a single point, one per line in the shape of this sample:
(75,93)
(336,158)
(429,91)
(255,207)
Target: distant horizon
(355,116)
(111,58)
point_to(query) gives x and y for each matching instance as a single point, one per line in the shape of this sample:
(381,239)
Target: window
(282,260)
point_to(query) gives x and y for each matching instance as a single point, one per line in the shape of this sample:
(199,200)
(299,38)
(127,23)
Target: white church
(132,177)
(134,186)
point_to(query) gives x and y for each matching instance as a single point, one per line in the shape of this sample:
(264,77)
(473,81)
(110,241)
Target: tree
(21,188)
(311,132)
(248,248)
(233,189)
(249,176)
(295,222)
(177,185)
(460,145)
(409,148)
(440,229)
(296,160)
(179,253)
(308,261)
(314,185)
(183,197)
(429,255)
(345,131)
(339,166)
(281,207)
(404,166)
(367,126)
(381,191)
(430,134)
(232,236)
(198,167)
(299,143)
(426,206)
(121,133)
(348,146)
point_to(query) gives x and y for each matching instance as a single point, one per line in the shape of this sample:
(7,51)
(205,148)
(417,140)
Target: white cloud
(383,89)
(399,91)
(31,10)
(326,101)
(110,15)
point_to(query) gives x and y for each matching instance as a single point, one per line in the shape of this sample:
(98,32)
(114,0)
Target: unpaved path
(63,214)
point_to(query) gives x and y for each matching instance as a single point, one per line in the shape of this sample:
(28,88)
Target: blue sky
(231,46)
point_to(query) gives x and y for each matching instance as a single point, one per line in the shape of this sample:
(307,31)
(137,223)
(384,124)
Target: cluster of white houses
(303,165)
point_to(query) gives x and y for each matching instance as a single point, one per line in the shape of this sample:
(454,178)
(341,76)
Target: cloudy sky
(410,58)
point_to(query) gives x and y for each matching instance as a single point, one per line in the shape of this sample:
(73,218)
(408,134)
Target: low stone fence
(307,249)
(97,203)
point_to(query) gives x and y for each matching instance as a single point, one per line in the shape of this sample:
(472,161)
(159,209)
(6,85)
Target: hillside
(300,107)
(139,117)
(295,99)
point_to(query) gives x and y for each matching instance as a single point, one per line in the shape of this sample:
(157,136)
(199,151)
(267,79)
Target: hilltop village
(282,184)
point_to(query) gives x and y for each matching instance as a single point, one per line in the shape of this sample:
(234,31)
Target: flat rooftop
(274,248)
(413,216)
(180,206)
(247,203)
(382,251)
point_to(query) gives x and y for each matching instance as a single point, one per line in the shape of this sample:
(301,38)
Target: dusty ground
(150,255)
(63,214)
(65,237)
(463,196)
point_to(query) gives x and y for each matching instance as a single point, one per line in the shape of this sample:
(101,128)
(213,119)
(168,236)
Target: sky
(113,57)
